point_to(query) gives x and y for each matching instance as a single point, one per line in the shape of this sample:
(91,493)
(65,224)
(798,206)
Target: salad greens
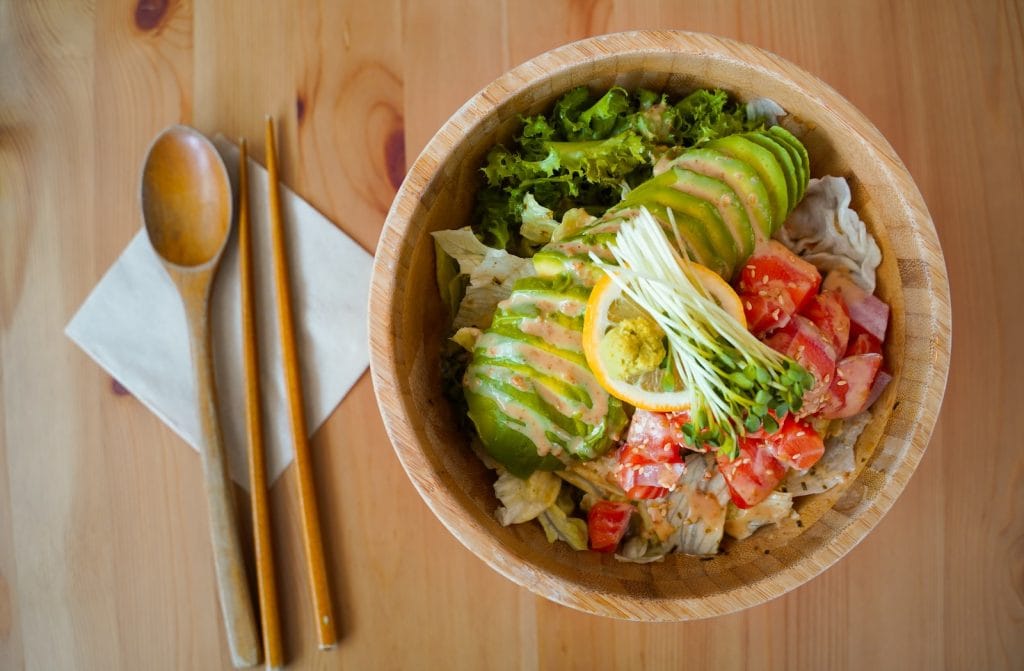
(584,151)
(639,187)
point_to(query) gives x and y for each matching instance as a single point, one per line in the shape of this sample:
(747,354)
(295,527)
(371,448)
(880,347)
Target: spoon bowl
(186,204)
(186,198)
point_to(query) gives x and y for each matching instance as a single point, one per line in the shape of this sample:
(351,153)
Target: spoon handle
(232,584)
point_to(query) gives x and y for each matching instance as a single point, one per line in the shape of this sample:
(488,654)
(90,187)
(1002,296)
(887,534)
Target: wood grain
(99,513)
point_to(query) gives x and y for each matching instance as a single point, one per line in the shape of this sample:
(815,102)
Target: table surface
(104,550)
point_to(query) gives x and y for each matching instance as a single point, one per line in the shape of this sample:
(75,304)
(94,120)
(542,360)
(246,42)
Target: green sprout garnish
(738,385)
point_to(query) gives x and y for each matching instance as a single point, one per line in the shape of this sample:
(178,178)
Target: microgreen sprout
(738,385)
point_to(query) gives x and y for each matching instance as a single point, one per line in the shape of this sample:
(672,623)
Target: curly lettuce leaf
(582,153)
(708,114)
(577,118)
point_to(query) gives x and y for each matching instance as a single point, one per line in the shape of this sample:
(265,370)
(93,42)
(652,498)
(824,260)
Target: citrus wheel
(656,388)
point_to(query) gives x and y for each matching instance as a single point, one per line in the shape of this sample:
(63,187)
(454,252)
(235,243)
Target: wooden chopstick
(307,494)
(269,618)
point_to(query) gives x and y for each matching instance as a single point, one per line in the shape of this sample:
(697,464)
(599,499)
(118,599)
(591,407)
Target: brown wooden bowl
(407,327)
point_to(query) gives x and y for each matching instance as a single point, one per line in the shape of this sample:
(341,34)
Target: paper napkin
(133,325)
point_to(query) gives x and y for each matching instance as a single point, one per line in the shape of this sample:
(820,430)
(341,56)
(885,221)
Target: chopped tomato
(767,313)
(795,444)
(644,492)
(642,479)
(753,474)
(774,270)
(650,463)
(657,434)
(828,312)
(607,522)
(803,341)
(864,343)
(851,389)
(867,312)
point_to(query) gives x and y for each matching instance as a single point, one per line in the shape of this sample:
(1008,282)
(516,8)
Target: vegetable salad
(663,329)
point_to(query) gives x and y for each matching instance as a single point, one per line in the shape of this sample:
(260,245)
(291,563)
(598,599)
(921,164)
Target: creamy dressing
(552,333)
(570,307)
(533,425)
(703,506)
(546,363)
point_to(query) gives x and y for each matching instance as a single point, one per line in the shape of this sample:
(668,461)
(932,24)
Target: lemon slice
(645,386)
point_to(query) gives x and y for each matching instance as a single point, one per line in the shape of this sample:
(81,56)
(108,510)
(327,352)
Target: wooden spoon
(186,205)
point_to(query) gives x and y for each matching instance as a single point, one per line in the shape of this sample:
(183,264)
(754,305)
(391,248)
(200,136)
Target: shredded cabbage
(741,523)
(825,231)
(491,274)
(560,527)
(523,500)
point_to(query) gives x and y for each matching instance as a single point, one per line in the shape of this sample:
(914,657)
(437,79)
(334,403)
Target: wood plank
(104,552)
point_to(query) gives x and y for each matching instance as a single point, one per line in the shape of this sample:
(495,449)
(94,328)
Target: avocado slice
(529,391)
(740,177)
(514,450)
(781,152)
(572,255)
(725,200)
(801,160)
(693,214)
(762,161)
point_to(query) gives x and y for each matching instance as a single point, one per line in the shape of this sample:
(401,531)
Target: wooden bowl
(407,327)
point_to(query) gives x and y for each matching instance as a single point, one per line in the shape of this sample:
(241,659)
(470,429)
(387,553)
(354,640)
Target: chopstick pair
(312,539)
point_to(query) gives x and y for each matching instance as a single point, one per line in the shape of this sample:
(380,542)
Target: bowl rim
(936,347)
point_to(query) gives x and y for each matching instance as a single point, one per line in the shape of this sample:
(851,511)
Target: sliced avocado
(693,214)
(801,160)
(740,177)
(762,161)
(781,152)
(725,200)
(529,390)
(572,255)
(512,449)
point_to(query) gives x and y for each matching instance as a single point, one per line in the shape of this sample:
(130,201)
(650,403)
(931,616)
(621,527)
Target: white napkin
(133,325)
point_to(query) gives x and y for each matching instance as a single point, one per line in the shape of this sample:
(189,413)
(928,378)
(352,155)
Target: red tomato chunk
(828,312)
(796,444)
(804,342)
(852,386)
(607,522)
(753,474)
(774,271)
(650,462)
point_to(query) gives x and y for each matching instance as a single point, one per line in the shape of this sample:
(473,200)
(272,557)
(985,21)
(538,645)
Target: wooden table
(104,550)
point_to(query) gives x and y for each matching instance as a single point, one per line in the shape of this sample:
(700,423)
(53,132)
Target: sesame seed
(749,306)
(764,280)
(841,383)
(801,433)
(752,269)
